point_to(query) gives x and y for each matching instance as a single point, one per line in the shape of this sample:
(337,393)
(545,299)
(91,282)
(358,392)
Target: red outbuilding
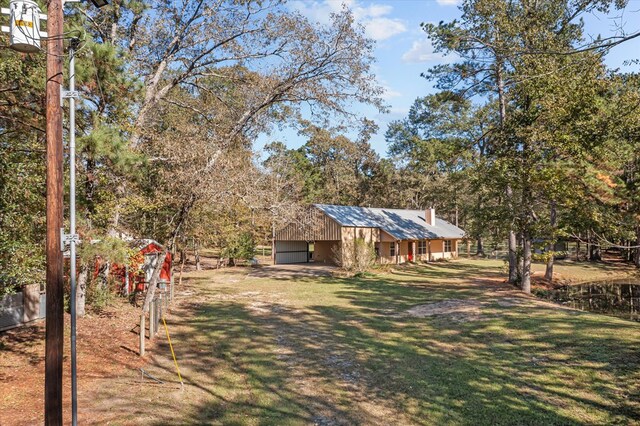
(146,258)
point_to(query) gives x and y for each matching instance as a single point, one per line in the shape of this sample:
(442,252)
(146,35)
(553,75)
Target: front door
(410,251)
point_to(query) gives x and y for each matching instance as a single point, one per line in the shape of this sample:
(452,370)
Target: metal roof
(401,224)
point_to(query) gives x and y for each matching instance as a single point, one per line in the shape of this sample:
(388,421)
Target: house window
(392,249)
(422,247)
(447,245)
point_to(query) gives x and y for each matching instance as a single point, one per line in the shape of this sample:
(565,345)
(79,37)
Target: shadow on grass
(269,364)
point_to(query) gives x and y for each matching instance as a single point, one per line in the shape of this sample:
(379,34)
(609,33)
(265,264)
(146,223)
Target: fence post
(142,332)
(158,312)
(171,288)
(152,322)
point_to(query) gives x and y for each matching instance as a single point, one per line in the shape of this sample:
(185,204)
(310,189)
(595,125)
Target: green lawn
(330,351)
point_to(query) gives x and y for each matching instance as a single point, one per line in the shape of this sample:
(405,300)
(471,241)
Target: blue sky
(403,51)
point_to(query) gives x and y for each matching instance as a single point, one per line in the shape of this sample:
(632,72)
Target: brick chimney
(430,216)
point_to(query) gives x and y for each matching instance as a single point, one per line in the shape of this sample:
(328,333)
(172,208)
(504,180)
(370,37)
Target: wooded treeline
(529,139)
(531,136)
(174,95)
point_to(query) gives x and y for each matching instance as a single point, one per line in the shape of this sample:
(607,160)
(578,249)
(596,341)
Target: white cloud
(422,51)
(374,17)
(448,2)
(389,93)
(384,28)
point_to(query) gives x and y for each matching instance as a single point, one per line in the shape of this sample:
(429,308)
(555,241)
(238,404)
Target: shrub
(99,294)
(241,247)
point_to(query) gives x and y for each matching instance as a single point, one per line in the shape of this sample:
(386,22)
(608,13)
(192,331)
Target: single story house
(327,231)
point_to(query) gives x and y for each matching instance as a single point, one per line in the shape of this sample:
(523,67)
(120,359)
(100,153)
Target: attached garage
(291,244)
(291,252)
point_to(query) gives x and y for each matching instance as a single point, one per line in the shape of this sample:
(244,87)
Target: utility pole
(54,336)
(25,36)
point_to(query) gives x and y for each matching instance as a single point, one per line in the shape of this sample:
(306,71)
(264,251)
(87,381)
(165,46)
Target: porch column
(397,252)
(273,243)
(429,250)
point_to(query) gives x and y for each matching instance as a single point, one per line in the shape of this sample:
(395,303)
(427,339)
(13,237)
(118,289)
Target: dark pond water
(619,298)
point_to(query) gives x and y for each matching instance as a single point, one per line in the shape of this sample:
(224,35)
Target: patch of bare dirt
(456,307)
(107,348)
(465,310)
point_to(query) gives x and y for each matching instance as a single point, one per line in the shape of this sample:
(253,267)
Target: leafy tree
(241,246)
(439,146)
(525,58)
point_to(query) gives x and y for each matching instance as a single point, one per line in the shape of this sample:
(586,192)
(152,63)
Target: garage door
(292,252)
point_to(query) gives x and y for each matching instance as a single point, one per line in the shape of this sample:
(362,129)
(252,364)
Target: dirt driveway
(297,270)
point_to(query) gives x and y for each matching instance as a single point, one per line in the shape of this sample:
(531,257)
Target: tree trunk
(519,258)
(81,289)
(120,193)
(636,258)
(91,185)
(468,248)
(502,101)
(513,257)
(480,249)
(183,258)
(578,251)
(125,290)
(151,291)
(526,264)
(594,253)
(182,217)
(103,275)
(548,274)
(196,253)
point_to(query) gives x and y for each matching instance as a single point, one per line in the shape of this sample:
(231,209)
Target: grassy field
(329,351)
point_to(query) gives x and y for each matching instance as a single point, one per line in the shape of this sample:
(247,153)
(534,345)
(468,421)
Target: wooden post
(397,252)
(165,298)
(273,243)
(152,318)
(142,332)
(151,290)
(54,334)
(171,294)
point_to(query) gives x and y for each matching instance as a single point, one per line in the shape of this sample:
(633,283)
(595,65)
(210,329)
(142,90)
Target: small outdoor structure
(23,307)
(398,235)
(149,252)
